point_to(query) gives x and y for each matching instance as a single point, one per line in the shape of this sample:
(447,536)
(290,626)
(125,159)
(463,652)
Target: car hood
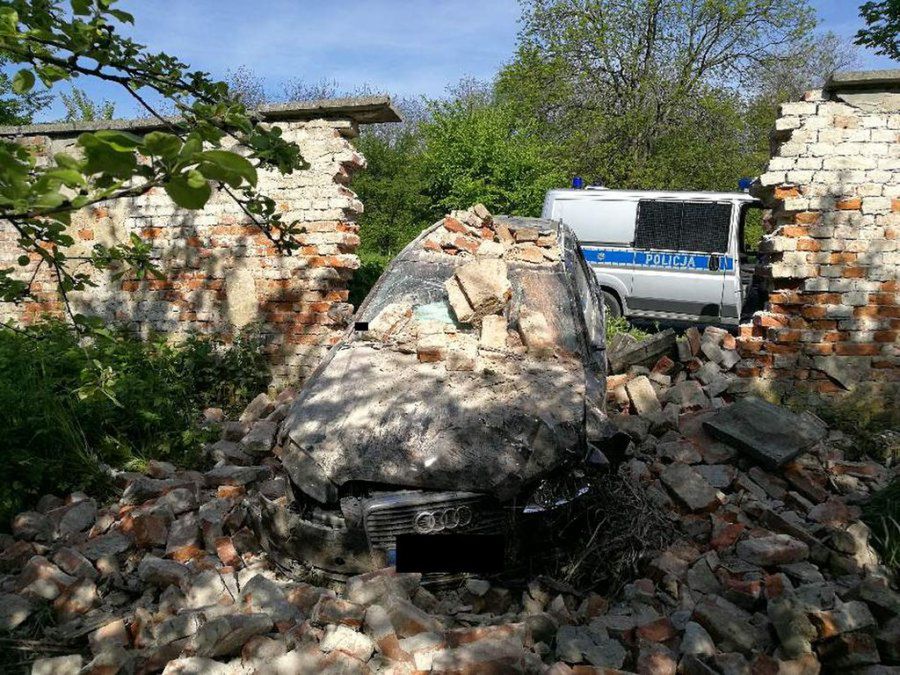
(378,415)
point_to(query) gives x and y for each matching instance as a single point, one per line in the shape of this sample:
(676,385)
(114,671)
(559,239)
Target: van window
(683,226)
(597,221)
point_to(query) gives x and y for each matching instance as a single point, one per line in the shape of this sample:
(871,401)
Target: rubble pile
(664,376)
(772,570)
(474,232)
(478,294)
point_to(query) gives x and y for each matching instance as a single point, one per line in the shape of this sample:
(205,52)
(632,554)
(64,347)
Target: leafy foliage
(18,108)
(480,150)
(882,31)
(55,41)
(656,94)
(80,108)
(70,405)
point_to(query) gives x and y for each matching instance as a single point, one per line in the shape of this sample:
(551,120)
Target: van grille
(387,516)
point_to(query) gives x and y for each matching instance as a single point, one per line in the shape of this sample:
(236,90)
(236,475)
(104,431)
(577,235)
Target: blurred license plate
(450,553)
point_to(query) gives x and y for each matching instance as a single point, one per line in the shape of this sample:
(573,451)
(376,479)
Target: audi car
(422,435)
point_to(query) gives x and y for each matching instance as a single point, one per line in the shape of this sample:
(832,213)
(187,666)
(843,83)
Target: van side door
(681,257)
(605,230)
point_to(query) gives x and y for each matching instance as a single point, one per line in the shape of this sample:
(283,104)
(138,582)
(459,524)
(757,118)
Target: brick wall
(221,272)
(832,187)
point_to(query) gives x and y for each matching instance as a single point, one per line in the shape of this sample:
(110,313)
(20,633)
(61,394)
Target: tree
(393,188)
(17,108)
(80,108)
(478,149)
(615,83)
(247,87)
(882,31)
(54,41)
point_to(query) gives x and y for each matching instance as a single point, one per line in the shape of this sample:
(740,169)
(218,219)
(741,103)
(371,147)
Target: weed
(71,407)
(882,515)
(619,325)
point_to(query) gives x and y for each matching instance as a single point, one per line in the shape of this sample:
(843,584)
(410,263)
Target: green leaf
(81,7)
(162,145)
(195,179)
(9,20)
(24,260)
(50,74)
(120,140)
(227,166)
(186,196)
(23,81)
(70,177)
(124,17)
(106,158)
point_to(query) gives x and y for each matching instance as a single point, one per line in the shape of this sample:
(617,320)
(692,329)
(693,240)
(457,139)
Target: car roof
(602,194)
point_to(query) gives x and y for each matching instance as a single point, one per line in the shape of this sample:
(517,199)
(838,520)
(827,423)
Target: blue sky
(405,47)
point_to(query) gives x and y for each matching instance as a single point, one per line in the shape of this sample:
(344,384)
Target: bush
(68,405)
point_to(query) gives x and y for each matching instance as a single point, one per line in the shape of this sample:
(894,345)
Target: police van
(663,255)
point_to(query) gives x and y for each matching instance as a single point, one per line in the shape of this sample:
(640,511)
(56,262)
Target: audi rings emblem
(427,522)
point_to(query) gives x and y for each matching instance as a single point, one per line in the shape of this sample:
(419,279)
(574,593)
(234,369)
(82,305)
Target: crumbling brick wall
(832,188)
(222,273)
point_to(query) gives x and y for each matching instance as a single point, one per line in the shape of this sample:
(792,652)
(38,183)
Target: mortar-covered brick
(222,273)
(832,194)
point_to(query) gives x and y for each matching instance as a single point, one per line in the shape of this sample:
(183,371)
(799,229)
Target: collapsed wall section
(832,190)
(221,273)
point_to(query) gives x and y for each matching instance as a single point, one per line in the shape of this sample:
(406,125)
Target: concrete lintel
(878,80)
(359,110)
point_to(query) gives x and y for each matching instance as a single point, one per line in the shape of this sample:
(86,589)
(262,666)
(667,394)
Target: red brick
(770,321)
(226,551)
(660,630)
(885,311)
(849,204)
(853,272)
(808,245)
(857,349)
(453,225)
(825,387)
(787,335)
(785,192)
(807,217)
(813,312)
(466,244)
(795,230)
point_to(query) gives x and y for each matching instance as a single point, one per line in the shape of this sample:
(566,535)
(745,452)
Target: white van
(662,255)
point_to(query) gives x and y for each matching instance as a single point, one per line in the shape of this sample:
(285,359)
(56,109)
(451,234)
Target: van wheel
(611,303)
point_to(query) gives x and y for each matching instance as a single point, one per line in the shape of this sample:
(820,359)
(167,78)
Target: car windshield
(420,283)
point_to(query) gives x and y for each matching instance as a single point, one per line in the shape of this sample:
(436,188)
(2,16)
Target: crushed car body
(473,374)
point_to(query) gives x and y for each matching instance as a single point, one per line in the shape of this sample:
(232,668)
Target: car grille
(387,516)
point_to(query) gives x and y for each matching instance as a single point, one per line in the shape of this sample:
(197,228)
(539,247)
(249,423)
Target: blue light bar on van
(744,184)
(577,182)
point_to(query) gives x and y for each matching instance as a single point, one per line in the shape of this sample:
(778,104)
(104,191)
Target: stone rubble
(475,233)
(773,570)
(479,320)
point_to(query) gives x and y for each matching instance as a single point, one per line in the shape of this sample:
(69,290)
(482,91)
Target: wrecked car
(470,387)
